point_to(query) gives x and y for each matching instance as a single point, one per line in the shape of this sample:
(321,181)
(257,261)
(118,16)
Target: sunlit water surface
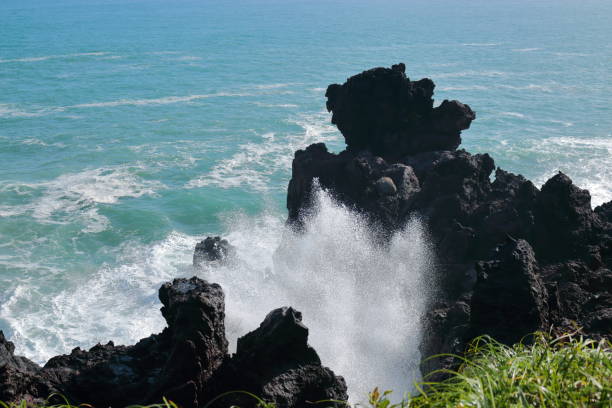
(131,129)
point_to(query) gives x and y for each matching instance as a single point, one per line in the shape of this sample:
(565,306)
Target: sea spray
(361,299)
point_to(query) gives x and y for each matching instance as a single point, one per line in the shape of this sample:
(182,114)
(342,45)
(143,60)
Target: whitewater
(144,126)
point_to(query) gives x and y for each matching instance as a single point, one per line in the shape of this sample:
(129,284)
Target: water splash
(361,300)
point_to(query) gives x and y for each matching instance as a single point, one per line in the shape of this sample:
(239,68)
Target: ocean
(131,129)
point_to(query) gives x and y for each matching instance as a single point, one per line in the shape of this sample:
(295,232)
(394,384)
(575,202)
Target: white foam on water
(11,211)
(10,111)
(464,88)
(444,64)
(574,142)
(526,49)
(561,122)
(174,154)
(256,163)
(275,105)
(37,142)
(188,58)
(470,73)
(512,114)
(585,160)
(117,302)
(272,86)
(74,196)
(155,101)
(48,57)
(571,54)
(480,44)
(361,301)
(536,87)
(528,87)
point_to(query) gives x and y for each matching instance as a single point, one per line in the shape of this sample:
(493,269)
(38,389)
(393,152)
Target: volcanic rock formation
(212,249)
(187,363)
(381,110)
(511,258)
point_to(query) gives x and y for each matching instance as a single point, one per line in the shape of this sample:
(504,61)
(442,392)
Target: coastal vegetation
(567,371)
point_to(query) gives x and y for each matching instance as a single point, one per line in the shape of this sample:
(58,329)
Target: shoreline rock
(188,362)
(212,249)
(511,259)
(504,247)
(384,102)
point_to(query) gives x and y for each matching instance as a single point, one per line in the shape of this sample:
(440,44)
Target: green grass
(568,371)
(564,372)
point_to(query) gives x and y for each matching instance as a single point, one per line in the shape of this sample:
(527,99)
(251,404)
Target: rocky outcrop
(187,363)
(212,249)
(276,363)
(19,377)
(511,258)
(382,111)
(384,191)
(509,299)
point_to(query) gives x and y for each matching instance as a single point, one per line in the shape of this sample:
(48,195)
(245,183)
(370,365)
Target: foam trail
(255,164)
(492,74)
(75,196)
(480,44)
(48,57)
(525,49)
(361,301)
(154,101)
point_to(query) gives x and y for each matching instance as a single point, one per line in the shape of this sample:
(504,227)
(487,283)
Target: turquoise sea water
(130,129)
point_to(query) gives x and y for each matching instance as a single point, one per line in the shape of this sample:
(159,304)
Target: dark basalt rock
(509,297)
(185,363)
(511,259)
(212,249)
(280,336)
(604,212)
(364,181)
(383,111)
(564,218)
(295,377)
(19,377)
